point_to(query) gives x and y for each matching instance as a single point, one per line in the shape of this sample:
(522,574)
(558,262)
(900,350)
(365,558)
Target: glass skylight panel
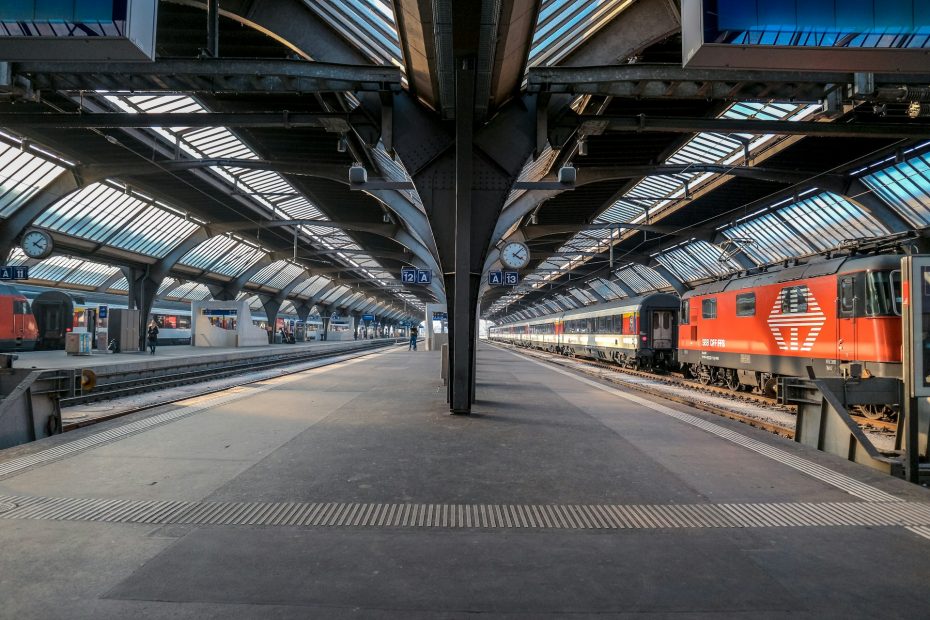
(285,276)
(335,294)
(634,280)
(22,174)
(190,291)
(287,307)
(814,224)
(311,287)
(603,288)
(905,186)
(105,214)
(54,268)
(651,276)
(564,25)
(208,252)
(166,285)
(90,274)
(121,285)
(267,272)
(367,24)
(696,260)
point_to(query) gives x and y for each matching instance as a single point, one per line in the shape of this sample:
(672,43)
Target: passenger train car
(747,331)
(18,331)
(58,312)
(636,332)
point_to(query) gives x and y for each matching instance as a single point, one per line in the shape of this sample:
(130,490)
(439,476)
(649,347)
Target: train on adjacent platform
(33,317)
(748,330)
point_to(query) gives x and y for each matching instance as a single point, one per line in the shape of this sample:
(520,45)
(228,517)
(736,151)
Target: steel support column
(459,283)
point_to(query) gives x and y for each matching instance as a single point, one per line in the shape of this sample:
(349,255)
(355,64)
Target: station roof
(264,210)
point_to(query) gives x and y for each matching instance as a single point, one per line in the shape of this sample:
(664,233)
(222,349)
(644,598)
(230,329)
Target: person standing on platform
(151,336)
(413,339)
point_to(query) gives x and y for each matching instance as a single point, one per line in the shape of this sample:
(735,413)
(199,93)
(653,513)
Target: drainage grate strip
(915,516)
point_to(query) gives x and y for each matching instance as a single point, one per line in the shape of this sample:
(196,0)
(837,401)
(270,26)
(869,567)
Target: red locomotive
(749,330)
(18,330)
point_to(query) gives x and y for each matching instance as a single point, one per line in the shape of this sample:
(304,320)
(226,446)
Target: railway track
(129,384)
(678,380)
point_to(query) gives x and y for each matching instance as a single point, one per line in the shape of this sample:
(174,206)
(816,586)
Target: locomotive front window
(21,307)
(685,317)
(746,304)
(883,293)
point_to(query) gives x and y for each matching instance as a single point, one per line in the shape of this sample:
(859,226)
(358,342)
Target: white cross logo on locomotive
(789,321)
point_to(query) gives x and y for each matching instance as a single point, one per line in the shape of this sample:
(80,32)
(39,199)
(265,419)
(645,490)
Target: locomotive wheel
(733,381)
(769,387)
(705,376)
(872,412)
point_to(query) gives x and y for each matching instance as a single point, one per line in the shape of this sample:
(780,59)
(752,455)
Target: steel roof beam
(335,122)
(207,75)
(668,81)
(596,125)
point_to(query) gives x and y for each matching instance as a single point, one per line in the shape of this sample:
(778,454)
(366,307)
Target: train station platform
(172,353)
(348,491)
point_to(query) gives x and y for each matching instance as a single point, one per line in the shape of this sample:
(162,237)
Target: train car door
(662,329)
(846,318)
(19,319)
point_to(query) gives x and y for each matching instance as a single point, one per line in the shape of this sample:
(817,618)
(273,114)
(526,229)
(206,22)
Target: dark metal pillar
(213,28)
(462,302)
(271,305)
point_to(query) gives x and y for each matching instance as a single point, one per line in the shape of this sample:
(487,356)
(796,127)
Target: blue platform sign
(511,278)
(424,276)
(495,278)
(408,275)
(368,317)
(18,272)
(102,312)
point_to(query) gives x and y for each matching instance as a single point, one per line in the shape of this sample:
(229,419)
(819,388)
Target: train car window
(709,308)
(602,326)
(685,312)
(794,300)
(881,298)
(847,297)
(746,304)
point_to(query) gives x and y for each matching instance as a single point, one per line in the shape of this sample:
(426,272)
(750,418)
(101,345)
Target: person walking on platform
(413,339)
(152,336)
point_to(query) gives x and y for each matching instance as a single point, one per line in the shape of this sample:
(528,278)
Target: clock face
(515,255)
(37,244)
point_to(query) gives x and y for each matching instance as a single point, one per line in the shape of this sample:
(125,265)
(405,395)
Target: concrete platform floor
(60,359)
(347,491)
